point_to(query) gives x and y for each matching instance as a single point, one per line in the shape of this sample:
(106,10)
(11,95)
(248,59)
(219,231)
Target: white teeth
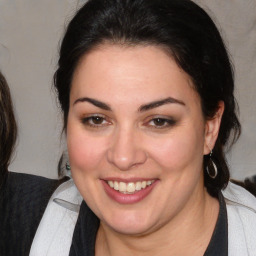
(111,184)
(116,187)
(138,185)
(122,187)
(129,188)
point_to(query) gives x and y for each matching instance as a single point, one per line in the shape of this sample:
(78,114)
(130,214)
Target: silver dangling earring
(214,167)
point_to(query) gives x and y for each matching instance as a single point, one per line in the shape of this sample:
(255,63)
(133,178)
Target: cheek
(180,150)
(85,152)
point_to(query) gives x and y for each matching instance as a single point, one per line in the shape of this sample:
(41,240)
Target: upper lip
(127,180)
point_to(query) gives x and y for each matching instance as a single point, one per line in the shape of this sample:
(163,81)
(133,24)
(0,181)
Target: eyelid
(169,122)
(92,115)
(86,118)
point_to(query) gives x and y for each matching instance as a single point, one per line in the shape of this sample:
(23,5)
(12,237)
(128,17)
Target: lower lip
(128,198)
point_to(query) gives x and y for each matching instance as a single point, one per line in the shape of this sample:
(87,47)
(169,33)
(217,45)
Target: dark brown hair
(188,33)
(8,128)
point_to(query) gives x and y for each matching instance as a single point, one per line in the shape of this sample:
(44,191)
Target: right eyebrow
(94,102)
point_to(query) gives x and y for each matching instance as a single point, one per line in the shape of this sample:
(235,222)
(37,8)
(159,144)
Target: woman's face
(136,137)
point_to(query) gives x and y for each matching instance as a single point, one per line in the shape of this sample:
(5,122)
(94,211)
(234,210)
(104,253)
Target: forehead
(130,72)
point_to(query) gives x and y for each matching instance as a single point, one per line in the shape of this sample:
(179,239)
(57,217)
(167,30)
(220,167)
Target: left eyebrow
(159,103)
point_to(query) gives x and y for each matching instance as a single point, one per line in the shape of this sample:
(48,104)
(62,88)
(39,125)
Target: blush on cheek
(84,154)
(178,152)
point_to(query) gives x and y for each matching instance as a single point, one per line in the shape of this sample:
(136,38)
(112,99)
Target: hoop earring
(212,166)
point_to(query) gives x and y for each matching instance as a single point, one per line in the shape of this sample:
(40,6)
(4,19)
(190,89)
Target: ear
(212,127)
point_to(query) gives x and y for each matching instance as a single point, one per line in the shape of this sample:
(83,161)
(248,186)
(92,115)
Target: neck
(188,233)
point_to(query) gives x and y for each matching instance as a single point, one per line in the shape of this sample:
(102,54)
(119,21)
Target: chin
(130,224)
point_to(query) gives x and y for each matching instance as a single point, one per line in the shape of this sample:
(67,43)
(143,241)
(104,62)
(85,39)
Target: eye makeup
(95,121)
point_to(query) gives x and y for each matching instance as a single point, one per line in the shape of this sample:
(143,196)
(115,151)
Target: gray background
(30,32)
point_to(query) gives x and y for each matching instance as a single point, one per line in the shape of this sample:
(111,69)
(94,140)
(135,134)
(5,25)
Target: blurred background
(30,33)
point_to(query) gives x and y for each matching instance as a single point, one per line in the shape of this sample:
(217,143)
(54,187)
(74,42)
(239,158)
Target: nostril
(125,151)
(125,160)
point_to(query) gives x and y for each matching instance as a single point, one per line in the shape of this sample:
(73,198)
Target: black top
(83,243)
(84,236)
(23,199)
(219,241)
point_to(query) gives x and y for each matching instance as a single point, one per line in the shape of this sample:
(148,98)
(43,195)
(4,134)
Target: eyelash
(89,119)
(164,122)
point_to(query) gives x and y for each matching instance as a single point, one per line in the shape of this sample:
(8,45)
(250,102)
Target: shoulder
(241,210)
(237,196)
(25,190)
(58,221)
(23,200)
(25,183)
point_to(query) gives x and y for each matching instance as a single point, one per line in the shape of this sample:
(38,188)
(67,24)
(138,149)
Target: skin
(127,141)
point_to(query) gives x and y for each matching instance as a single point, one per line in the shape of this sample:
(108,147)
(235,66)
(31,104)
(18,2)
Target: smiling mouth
(130,187)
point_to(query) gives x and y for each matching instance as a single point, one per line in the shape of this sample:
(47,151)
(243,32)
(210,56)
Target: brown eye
(97,120)
(159,121)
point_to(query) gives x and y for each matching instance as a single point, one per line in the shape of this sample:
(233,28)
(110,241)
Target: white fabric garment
(241,211)
(54,234)
(55,231)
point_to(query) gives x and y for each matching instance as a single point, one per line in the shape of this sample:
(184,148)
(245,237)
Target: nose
(126,150)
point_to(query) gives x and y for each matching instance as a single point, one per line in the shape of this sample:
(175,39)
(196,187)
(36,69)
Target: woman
(23,197)
(146,88)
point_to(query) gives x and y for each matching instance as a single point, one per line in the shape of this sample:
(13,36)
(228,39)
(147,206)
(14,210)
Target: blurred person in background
(23,197)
